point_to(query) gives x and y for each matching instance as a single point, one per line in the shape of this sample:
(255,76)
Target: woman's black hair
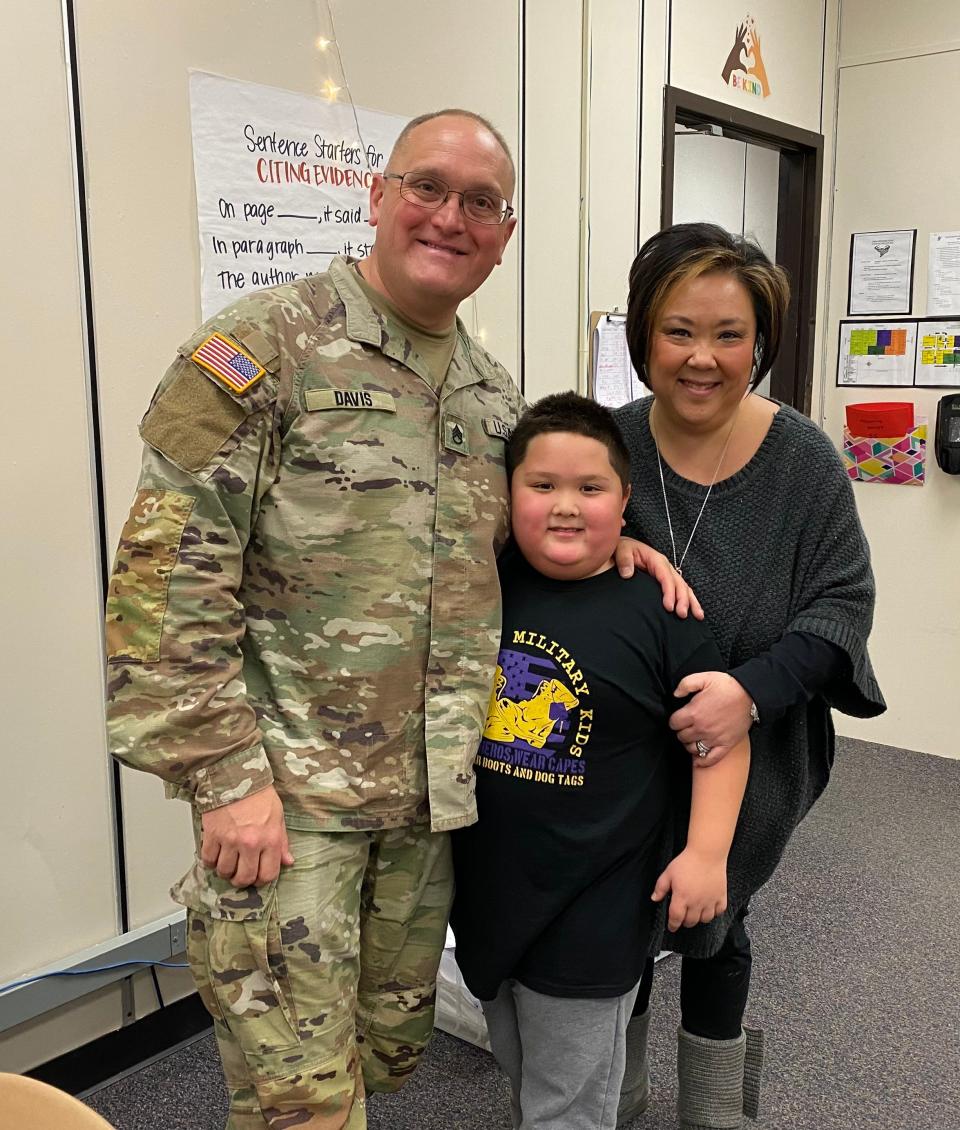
(686,251)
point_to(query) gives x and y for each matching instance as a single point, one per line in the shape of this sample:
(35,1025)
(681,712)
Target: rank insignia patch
(455,436)
(235,369)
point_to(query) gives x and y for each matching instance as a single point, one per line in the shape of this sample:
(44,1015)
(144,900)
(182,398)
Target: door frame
(798,242)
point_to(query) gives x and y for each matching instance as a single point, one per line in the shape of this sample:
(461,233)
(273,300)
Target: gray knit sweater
(779,548)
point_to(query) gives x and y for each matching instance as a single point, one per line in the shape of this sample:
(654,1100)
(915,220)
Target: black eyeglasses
(429,192)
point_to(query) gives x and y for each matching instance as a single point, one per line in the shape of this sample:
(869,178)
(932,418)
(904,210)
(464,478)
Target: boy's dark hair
(684,252)
(568,412)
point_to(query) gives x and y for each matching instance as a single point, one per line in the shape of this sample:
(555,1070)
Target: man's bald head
(428,259)
(397,153)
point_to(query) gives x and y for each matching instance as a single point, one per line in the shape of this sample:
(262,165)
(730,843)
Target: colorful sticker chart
(938,353)
(877,354)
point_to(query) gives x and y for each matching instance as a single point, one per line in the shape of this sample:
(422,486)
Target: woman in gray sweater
(750,501)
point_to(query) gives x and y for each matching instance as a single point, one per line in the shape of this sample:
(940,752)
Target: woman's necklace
(678,565)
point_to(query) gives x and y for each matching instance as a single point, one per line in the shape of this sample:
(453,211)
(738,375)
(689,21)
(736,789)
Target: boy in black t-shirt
(577,775)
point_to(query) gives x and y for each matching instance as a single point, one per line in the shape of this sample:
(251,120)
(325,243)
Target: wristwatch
(754,714)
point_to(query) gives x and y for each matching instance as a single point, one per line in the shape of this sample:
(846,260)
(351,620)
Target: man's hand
(246,841)
(678,596)
(697,885)
(718,715)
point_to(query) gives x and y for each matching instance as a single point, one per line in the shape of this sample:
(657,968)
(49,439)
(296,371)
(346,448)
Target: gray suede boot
(719,1080)
(635,1088)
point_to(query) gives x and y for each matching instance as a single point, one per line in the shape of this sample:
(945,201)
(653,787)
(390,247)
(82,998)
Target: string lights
(329,88)
(327,46)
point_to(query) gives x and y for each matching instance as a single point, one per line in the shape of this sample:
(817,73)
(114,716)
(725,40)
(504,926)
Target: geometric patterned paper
(893,459)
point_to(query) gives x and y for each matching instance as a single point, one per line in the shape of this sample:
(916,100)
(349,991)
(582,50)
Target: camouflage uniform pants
(322,984)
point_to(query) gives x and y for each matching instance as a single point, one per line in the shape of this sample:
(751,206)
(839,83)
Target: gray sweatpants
(564,1056)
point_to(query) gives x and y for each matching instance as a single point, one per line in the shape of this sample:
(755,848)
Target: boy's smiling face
(567,506)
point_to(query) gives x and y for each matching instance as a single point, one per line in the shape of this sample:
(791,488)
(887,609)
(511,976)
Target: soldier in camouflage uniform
(302,624)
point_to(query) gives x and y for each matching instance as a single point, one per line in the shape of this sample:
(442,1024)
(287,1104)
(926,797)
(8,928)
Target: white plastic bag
(458,1010)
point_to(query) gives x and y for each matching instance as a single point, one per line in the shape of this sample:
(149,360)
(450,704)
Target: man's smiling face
(428,262)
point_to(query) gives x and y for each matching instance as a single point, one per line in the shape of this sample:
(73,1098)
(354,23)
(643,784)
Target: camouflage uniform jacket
(305,590)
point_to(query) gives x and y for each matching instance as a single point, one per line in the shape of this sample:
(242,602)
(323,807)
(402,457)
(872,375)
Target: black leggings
(713,990)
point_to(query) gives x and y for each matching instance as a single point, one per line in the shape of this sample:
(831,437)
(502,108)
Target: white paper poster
(876,353)
(881,272)
(615,382)
(283,182)
(938,353)
(943,273)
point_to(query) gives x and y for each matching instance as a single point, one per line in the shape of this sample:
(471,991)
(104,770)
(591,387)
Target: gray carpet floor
(856,983)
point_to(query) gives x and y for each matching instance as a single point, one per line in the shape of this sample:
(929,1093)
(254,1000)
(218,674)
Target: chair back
(28,1104)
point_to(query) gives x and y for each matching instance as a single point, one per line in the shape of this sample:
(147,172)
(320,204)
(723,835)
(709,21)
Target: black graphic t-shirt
(575,773)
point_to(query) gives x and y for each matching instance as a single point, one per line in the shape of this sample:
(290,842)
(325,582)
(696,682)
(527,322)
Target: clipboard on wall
(611,379)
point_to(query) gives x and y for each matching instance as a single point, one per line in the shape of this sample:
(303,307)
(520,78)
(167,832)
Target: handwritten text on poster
(283,182)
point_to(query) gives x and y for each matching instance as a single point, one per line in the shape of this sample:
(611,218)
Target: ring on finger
(702,748)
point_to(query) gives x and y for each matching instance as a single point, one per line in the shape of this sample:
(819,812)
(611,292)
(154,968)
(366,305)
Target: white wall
(57,846)
(727,182)
(709,174)
(899,81)
(551,208)
(791,36)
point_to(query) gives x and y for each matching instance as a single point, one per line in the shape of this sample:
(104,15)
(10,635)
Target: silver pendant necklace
(678,565)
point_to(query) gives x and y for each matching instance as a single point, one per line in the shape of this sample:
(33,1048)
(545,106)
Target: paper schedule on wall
(943,273)
(881,272)
(283,182)
(613,381)
(938,353)
(876,353)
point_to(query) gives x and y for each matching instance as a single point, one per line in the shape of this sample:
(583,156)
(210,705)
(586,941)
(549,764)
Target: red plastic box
(880,419)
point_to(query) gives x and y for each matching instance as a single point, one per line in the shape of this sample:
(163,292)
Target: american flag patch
(228,363)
